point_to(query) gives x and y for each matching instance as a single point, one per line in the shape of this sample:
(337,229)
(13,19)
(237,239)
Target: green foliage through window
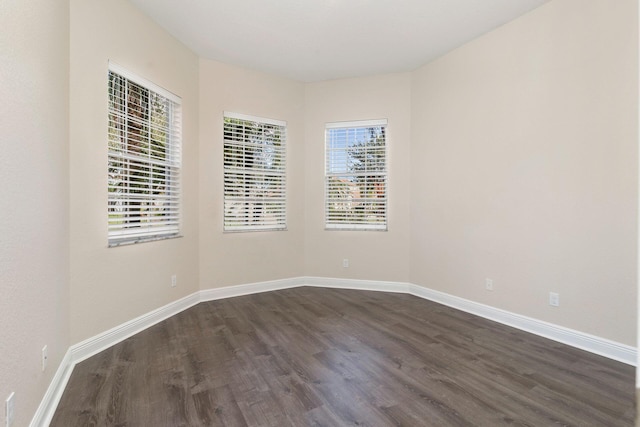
(254,174)
(144,162)
(356,176)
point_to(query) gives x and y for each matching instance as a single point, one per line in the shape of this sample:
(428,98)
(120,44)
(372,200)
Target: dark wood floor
(326,357)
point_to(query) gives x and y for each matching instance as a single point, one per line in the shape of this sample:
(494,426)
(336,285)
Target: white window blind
(254,173)
(356,175)
(144,159)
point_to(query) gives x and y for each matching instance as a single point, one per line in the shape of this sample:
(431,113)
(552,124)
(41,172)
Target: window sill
(143,240)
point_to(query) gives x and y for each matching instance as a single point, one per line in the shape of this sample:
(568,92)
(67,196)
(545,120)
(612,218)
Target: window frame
(155,163)
(277,200)
(380,176)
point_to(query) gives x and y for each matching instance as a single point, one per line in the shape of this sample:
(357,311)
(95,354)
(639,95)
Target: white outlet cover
(488,283)
(45,357)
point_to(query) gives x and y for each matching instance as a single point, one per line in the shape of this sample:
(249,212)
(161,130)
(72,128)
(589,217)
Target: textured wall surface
(373,255)
(110,286)
(524,167)
(513,157)
(237,258)
(34,225)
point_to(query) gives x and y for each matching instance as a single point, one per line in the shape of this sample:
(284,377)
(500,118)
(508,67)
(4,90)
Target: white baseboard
(601,346)
(100,342)
(251,288)
(363,285)
(52,396)
(89,347)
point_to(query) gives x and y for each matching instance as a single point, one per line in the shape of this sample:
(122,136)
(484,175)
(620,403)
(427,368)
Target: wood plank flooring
(329,357)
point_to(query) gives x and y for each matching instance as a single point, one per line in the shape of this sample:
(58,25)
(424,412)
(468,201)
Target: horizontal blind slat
(144,153)
(355,175)
(254,164)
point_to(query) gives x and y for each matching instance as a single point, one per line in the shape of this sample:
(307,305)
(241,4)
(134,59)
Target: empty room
(319,212)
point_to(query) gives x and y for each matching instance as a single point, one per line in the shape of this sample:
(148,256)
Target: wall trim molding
(52,396)
(248,289)
(91,346)
(94,345)
(591,343)
(356,284)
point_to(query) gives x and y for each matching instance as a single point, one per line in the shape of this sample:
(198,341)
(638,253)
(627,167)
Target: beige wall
(372,255)
(524,167)
(238,258)
(110,286)
(34,247)
(513,158)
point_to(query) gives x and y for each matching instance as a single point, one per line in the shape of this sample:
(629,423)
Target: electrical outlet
(554,299)
(10,409)
(174,281)
(488,284)
(45,357)
(345,262)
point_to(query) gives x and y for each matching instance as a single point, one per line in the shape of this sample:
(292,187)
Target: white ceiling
(312,40)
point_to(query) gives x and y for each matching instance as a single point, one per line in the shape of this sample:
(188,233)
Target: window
(144,160)
(254,173)
(356,175)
